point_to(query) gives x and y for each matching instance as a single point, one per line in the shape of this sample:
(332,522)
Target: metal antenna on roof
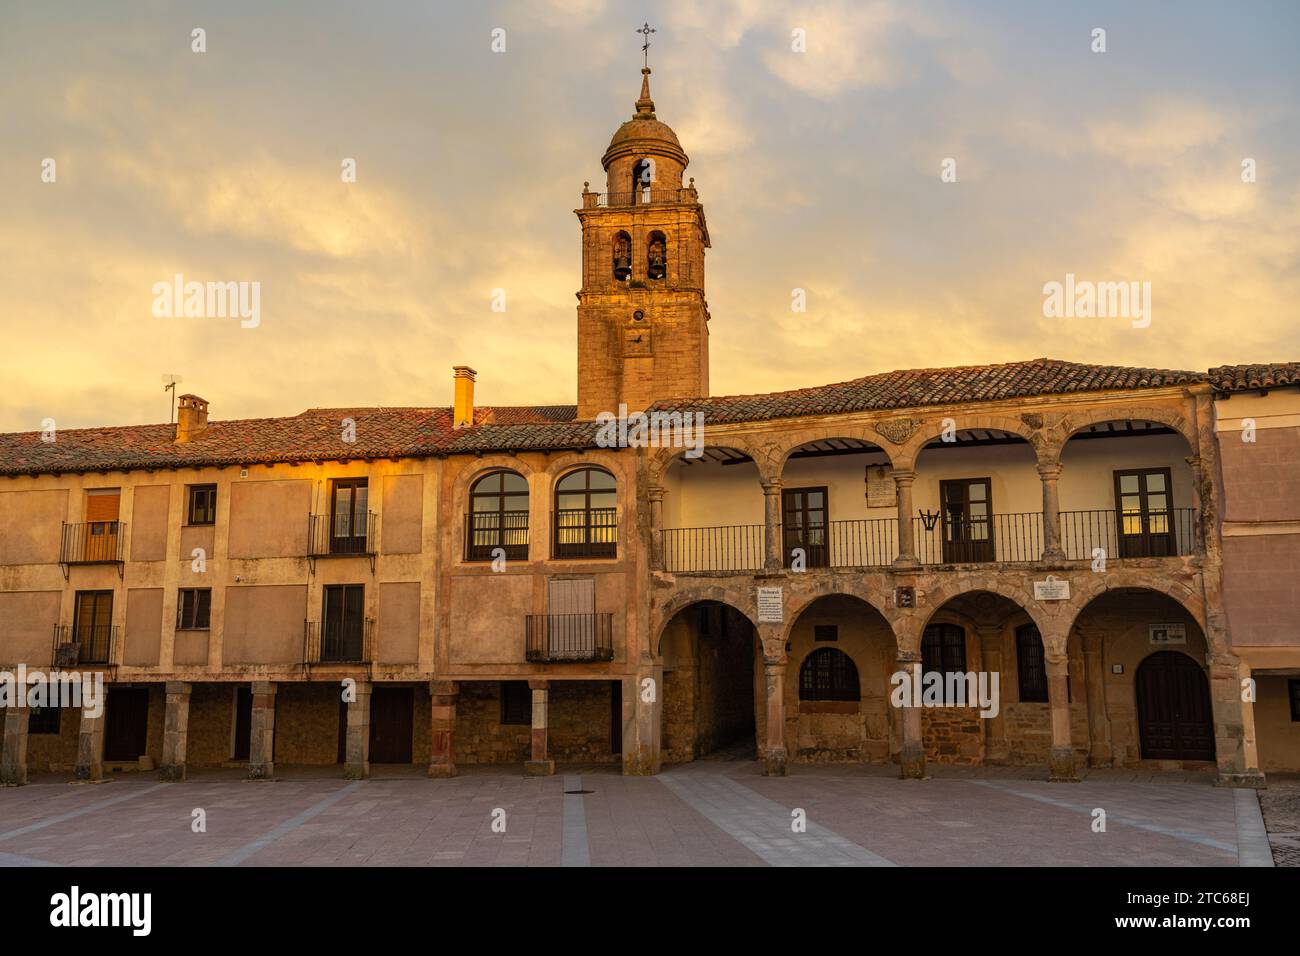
(170,382)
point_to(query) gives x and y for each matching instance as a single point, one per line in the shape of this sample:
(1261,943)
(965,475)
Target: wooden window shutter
(102,505)
(571,596)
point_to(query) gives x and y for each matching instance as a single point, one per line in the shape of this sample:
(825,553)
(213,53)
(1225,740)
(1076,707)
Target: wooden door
(92,626)
(243,721)
(805,517)
(102,510)
(1144,513)
(392,710)
(1174,716)
(615,717)
(126,723)
(967,509)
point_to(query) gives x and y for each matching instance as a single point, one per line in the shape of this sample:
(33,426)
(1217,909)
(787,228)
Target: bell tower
(643,323)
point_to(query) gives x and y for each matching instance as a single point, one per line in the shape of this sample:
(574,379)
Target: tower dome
(644,139)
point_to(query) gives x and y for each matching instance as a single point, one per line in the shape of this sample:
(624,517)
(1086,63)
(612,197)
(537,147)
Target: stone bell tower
(643,323)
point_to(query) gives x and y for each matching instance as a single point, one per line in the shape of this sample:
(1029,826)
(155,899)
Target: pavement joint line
(13,859)
(281,829)
(1253,848)
(763,826)
(1187,835)
(575,850)
(80,811)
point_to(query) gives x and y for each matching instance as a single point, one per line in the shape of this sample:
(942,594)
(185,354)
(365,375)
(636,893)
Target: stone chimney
(463,409)
(191,418)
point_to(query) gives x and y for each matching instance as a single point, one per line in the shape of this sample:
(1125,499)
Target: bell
(622,268)
(657,270)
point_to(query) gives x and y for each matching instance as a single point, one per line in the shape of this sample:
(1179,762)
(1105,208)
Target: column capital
(1049,470)
(656,492)
(178,687)
(771,486)
(903,475)
(535,683)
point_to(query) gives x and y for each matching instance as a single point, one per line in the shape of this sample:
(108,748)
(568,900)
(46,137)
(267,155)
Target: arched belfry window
(622,252)
(643,177)
(657,256)
(586,514)
(829,674)
(497,517)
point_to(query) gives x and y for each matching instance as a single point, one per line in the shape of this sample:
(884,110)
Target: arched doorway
(1175,720)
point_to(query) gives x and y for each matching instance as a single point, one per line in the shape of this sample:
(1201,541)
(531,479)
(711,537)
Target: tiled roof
(317,434)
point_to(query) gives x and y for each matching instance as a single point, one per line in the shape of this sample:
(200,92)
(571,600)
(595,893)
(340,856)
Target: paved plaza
(708,813)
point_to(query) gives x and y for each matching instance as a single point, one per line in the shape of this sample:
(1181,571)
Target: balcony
(93,542)
(343,536)
(84,645)
(585,533)
(487,531)
(723,548)
(568,638)
(1157,534)
(641,197)
(349,642)
(993,539)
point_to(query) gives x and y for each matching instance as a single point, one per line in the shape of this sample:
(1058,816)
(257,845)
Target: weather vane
(645,31)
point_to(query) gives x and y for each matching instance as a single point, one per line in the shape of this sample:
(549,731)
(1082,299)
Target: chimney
(191,418)
(463,410)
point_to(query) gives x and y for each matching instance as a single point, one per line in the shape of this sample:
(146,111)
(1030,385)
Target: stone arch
(481,467)
(661,459)
(803,436)
(929,431)
(1076,421)
(797,605)
(1096,585)
(1048,624)
(740,602)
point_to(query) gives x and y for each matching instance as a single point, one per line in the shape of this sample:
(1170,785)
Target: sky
(821,170)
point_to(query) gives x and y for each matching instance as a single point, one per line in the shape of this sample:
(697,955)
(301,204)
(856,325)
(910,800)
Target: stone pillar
(642,736)
(773,557)
(13,766)
(996,749)
(906,527)
(1235,750)
(774,752)
(911,757)
(540,765)
(656,496)
(176,728)
(442,752)
(261,737)
(356,749)
(1061,768)
(1198,526)
(90,742)
(1050,473)
(1100,753)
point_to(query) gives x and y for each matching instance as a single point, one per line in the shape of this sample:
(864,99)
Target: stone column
(13,766)
(176,728)
(1100,753)
(643,736)
(261,737)
(1061,768)
(1198,525)
(906,528)
(773,557)
(996,749)
(90,741)
(356,749)
(911,757)
(1050,473)
(1235,749)
(540,765)
(774,751)
(442,752)
(656,496)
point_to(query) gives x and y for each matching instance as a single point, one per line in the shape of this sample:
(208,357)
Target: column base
(911,763)
(1052,558)
(539,768)
(353,772)
(906,562)
(88,774)
(1061,767)
(173,772)
(442,771)
(261,772)
(774,762)
(1254,779)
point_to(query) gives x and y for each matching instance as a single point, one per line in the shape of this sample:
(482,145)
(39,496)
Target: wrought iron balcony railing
(84,644)
(639,197)
(342,535)
(723,548)
(1156,534)
(486,531)
(585,533)
(93,542)
(944,539)
(562,638)
(338,642)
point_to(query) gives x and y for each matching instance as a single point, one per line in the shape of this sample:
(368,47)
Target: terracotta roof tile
(1236,378)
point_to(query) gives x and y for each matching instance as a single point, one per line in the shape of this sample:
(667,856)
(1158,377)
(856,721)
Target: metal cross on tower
(645,31)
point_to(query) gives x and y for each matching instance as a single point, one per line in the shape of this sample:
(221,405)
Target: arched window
(586,514)
(1031,664)
(829,674)
(498,517)
(643,177)
(657,256)
(943,649)
(622,256)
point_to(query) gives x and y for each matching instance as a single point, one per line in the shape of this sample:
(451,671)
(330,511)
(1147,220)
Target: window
(498,517)
(826,632)
(43,720)
(202,505)
(516,702)
(622,254)
(1293,689)
(92,626)
(967,509)
(1031,665)
(349,518)
(101,541)
(643,176)
(586,515)
(656,256)
(828,674)
(343,624)
(804,523)
(193,608)
(1144,511)
(943,649)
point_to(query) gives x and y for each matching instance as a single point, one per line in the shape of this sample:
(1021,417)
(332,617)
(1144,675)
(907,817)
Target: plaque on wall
(771,606)
(1051,590)
(881,490)
(904,597)
(1167,633)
